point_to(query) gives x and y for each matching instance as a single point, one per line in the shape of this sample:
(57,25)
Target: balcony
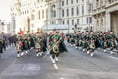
(99,10)
(48,0)
(111,3)
(95,12)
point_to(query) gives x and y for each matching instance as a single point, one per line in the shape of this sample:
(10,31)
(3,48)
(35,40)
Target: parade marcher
(112,46)
(32,42)
(4,39)
(19,48)
(68,38)
(62,46)
(54,46)
(44,42)
(20,44)
(1,46)
(91,48)
(26,45)
(55,41)
(77,39)
(39,45)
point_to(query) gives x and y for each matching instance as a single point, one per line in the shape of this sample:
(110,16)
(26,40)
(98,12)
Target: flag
(21,32)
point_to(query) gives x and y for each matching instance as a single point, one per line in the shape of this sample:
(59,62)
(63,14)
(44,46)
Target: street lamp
(75,27)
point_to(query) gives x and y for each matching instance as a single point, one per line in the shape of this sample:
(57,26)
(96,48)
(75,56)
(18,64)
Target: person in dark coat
(1,46)
(26,46)
(32,41)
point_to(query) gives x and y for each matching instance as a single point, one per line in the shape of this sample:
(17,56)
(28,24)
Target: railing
(48,0)
(111,2)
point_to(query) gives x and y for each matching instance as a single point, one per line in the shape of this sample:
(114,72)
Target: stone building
(105,13)
(32,15)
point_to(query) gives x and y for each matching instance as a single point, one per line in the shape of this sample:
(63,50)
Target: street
(75,64)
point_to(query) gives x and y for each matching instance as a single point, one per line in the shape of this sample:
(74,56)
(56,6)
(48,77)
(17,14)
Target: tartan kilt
(77,42)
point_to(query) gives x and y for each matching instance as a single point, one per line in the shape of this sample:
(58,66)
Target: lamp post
(75,27)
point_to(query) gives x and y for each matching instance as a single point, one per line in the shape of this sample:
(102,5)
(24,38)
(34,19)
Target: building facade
(4,27)
(32,15)
(105,13)
(1,26)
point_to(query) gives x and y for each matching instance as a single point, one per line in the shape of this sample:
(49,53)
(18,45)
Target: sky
(5,9)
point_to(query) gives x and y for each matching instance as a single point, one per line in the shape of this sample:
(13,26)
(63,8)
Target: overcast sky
(5,9)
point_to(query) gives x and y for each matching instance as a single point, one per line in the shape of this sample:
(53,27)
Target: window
(71,1)
(87,20)
(42,13)
(77,21)
(53,6)
(72,11)
(77,10)
(54,13)
(89,8)
(38,1)
(62,13)
(66,2)
(62,3)
(46,13)
(72,22)
(82,9)
(67,12)
(39,14)
(27,11)
(90,19)
(23,12)
(63,22)
(77,1)
(52,22)
(68,22)
(33,17)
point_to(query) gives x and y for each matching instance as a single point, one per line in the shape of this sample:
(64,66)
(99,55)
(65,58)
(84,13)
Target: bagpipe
(19,46)
(55,46)
(92,45)
(37,46)
(112,44)
(105,44)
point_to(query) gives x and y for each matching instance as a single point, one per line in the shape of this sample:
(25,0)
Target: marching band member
(26,45)
(1,46)
(112,46)
(38,45)
(91,48)
(56,46)
(19,48)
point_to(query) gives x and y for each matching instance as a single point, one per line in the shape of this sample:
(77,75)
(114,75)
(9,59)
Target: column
(49,13)
(108,21)
(104,20)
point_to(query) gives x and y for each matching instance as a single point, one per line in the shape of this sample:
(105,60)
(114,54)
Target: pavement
(75,64)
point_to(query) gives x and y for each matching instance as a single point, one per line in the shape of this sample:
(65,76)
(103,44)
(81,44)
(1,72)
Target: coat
(1,47)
